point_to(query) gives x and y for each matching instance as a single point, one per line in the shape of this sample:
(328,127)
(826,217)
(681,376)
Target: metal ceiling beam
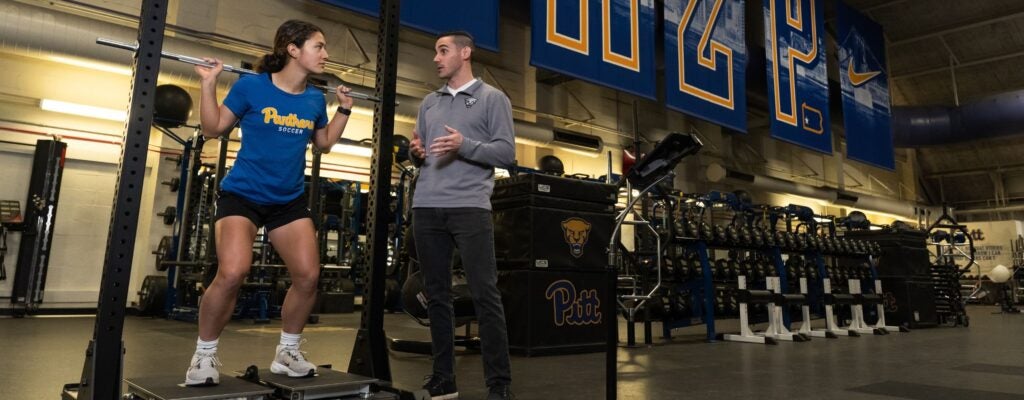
(884,5)
(958,28)
(975,171)
(972,63)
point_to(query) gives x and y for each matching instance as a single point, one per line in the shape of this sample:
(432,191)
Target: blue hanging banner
(606,42)
(865,82)
(794,33)
(706,60)
(478,17)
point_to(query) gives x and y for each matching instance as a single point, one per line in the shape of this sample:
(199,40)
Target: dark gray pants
(437,232)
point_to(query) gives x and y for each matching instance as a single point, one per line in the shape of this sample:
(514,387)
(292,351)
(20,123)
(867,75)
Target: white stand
(830,316)
(776,325)
(857,323)
(746,334)
(805,326)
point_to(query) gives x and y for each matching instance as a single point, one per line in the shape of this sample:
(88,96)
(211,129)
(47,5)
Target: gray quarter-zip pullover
(483,115)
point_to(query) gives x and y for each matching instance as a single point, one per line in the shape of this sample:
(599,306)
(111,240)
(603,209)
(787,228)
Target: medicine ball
(551,165)
(401,144)
(173,106)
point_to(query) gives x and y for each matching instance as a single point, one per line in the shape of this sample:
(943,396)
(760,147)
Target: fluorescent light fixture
(579,152)
(352,150)
(99,66)
(83,110)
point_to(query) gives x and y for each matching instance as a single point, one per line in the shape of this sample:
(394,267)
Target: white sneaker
(292,362)
(203,370)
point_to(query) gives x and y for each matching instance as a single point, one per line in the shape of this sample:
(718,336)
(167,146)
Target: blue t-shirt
(276,126)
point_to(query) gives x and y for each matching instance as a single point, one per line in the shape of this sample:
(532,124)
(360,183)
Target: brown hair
(291,32)
(460,38)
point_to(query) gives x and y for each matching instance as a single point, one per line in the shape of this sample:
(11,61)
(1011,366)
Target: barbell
(228,68)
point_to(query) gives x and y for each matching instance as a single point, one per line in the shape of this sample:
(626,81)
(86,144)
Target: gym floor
(984,361)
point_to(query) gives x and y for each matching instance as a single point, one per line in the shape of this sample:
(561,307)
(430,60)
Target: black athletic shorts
(272,216)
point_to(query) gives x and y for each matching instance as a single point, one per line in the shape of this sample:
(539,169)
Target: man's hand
(209,74)
(447,143)
(416,146)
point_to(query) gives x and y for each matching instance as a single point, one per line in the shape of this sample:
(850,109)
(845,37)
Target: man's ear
(466,52)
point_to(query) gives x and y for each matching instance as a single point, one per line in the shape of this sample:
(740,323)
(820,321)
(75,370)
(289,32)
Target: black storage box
(903,261)
(550,202)
(904,252)
(336,302)
(555,186)
(909,302)
(540,237)
(555,312)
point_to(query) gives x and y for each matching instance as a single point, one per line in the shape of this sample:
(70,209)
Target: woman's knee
(305,278)
(231,276)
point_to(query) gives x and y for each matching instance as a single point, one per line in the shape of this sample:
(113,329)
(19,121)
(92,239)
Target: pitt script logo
(572,307)
(577,231)
(290,123)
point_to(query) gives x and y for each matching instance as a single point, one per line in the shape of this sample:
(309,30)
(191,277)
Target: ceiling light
(352,149)
(99,66)
(83,110)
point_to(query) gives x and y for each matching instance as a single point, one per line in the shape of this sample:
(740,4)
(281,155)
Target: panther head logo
(577,231)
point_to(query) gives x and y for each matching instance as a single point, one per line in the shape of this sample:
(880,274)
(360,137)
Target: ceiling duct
(533,134)
(990,117)
(717,173)
(580,142)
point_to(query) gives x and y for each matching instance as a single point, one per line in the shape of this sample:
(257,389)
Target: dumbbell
(810,271)
(733,269)
(768,236)
(720,235)
(746,236)
(696,271)
(720,273)
(793,269)
(876,249)
(753,271)
(690,228)
(732,236)
(790,240)
(682,268)
(169,214)
(705,232)
(828,244)
(668,267)
(744,268)
(769,269)
(719,301)
(852,245)
(812,241)
(733,304)
(756,237)
(800,241)
(172,183)
(680,305)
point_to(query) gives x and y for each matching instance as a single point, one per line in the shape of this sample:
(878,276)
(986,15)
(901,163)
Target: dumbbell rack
(703,288)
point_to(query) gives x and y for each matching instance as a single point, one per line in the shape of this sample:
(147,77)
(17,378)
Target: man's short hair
(461,38)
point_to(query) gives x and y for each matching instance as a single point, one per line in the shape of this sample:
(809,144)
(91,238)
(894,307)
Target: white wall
(992,243)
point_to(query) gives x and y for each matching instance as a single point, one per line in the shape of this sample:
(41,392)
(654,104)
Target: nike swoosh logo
(859,78)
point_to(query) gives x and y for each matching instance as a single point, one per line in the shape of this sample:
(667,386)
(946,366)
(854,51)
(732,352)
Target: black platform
(168,387)
(327,383)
